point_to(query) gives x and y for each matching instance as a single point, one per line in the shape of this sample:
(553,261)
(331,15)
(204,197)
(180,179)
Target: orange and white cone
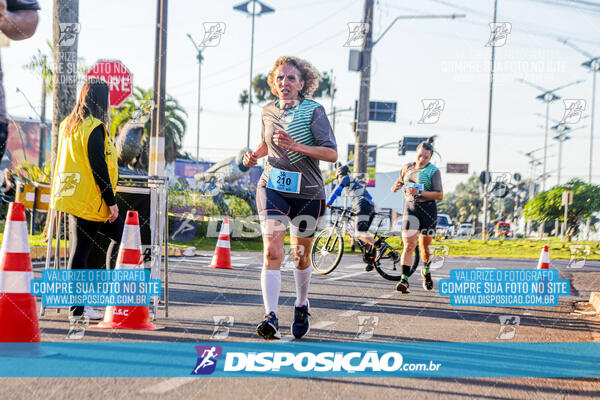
(222,256)
(18,315)
(544,262)
(130,257)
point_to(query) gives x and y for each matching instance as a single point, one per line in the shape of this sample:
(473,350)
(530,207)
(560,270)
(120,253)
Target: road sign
(567,198)
(118,77)
(457,168)
(384,111)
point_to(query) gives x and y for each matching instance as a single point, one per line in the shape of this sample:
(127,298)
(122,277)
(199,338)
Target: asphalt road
(347,305)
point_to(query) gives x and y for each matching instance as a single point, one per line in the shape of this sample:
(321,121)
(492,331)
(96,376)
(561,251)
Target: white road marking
(386,296)
(321,324)
(167,385)
(337,278)
(349,313)
(369,304)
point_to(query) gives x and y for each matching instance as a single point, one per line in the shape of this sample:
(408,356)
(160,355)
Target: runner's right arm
(399,182)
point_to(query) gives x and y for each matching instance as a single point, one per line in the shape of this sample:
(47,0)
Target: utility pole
(157,138)
(65,24)
(43,126)
(200,58)
(362,125)
(484,229)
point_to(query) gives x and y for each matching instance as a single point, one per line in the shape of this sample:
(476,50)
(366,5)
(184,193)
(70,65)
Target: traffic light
(401,149)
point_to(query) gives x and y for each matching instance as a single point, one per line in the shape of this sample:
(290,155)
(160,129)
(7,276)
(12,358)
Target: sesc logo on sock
(207,359)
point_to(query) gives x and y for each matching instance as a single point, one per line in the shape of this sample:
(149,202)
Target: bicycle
(330,242)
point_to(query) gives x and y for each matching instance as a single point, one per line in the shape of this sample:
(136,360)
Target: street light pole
(200,58)
(250,82)
(249,7)
(484,230)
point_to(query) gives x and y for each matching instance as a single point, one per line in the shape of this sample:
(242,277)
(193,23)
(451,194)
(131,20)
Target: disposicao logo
(207,359)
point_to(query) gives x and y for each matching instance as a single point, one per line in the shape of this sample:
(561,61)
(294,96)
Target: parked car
(444,227)
(465,229)
(502,229)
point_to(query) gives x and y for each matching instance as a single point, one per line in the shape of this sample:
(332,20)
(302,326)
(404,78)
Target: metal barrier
(156,190)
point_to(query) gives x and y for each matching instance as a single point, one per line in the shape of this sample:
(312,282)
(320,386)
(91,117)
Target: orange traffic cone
(18,316)
(544,262)
(222,256)
(130,257)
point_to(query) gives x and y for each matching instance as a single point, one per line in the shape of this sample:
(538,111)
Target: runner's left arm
(325,146)
(437,193)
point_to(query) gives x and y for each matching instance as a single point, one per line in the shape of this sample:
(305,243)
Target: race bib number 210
(284,181)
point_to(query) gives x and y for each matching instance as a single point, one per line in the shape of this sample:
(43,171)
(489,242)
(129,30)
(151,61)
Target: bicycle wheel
(388,263)
(416,259)
(326,251)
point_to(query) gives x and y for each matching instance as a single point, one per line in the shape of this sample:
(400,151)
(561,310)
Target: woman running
(423,183)
(296,135)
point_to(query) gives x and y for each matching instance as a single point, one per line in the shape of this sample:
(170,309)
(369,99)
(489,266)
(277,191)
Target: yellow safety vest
(74,189)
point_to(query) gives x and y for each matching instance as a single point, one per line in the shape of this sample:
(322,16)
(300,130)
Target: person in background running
(423,186)
(85,178)
(362,205)
(296,134)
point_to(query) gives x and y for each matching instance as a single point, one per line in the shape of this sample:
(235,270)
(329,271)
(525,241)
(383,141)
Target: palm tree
(138,108)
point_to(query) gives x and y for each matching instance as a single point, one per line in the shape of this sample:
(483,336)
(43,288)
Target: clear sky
(417,59)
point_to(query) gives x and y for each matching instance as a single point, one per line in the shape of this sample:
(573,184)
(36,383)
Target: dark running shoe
(402,286)
(427,281)
(301,325)
(269,328)
(369,267)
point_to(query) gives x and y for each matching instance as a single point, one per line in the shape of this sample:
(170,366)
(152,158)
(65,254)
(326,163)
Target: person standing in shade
(85,178)
(296,135)
(423,187)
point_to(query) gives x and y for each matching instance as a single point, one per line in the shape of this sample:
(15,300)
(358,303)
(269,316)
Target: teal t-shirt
(430,177)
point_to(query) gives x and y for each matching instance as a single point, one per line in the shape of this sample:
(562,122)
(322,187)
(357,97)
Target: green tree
(42,65)
(546,206)
(139,107)
(262,90)
(465,203)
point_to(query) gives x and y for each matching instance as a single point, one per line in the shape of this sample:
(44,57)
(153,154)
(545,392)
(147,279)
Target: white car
(465,229)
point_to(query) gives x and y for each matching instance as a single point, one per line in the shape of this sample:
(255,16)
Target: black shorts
(304,214)
(365,212)
(421,216)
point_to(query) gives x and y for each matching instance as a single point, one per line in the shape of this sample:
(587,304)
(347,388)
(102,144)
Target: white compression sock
(270,282)
(302,277)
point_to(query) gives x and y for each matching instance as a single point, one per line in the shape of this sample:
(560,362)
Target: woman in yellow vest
(85,178)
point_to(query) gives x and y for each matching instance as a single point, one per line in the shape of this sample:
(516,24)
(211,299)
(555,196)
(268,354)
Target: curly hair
(308,74)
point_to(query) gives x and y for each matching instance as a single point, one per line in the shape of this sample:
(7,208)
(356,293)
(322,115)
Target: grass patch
(518,248)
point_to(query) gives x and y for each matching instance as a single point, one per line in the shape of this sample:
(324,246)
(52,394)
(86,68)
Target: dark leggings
(81,238)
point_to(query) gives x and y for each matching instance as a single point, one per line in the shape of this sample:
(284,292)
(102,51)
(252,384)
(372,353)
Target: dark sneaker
(301,325)
(427,281)
(369,267)
(402,286)
(269,328)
